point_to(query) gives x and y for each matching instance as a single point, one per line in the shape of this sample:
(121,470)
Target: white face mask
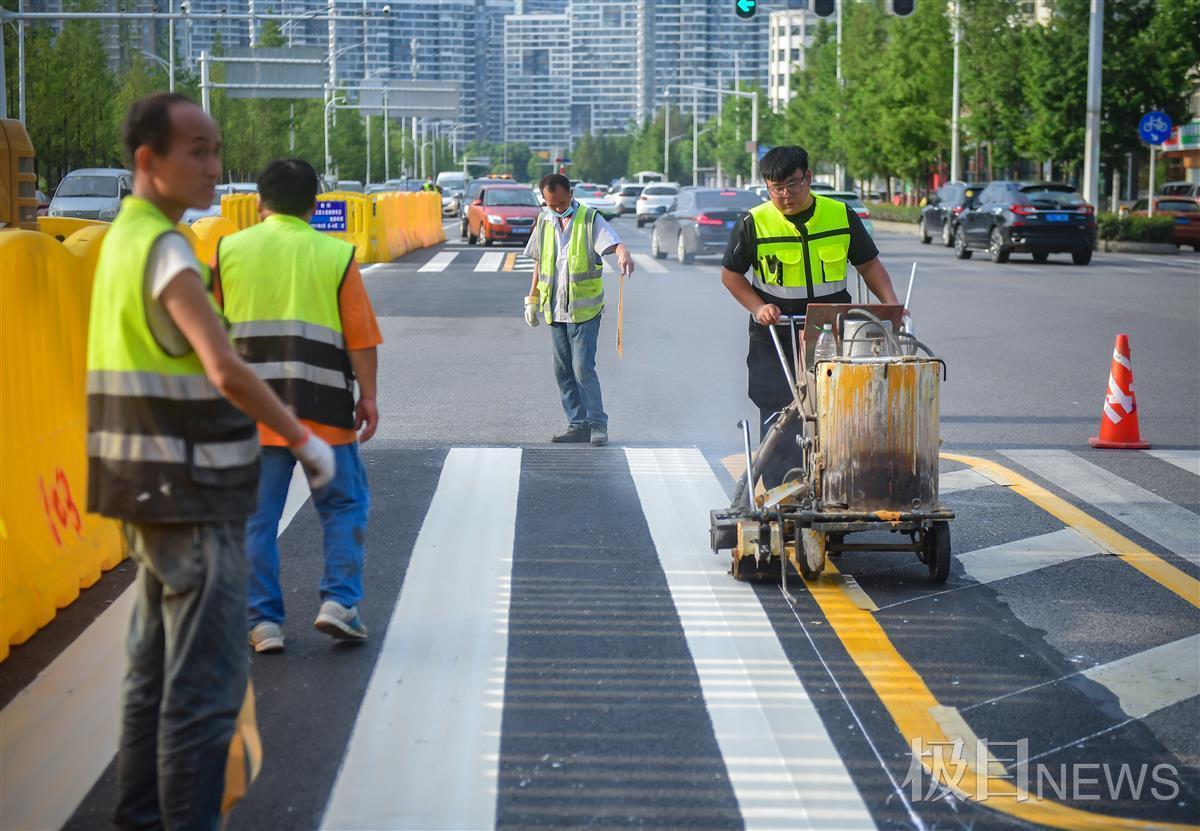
(564,214)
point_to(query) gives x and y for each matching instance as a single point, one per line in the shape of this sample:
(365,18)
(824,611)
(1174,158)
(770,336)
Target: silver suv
(92,193)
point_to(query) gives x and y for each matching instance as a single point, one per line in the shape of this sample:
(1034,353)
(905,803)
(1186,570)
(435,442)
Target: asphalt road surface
(554,646)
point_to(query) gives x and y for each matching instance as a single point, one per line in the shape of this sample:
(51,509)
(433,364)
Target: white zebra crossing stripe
(1174,528)
(425,745)
(999,562)
(439,261)
(649,263)
(1188,460)
(771,731)
(961,480)
(490,261)
(1154,679)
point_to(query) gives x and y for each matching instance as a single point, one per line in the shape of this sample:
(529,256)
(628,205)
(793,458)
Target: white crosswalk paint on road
(439,261)
(776,732)
(962,480)
(999,562)
(490,261)
(1188,460)
(425,745)
(1155,679)
(649,263)
(1174,528)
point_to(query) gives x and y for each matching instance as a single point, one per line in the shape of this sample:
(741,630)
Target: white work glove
(316,457)
(531,310)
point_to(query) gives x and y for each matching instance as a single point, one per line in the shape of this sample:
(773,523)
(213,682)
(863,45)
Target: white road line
(649,263)
(374,266)
(998,562)
(1174,528)
(1188,460)
(491,261)
(772,732)
(1152,680)
(439,261)
(62,730)
(425,747)
(962,480)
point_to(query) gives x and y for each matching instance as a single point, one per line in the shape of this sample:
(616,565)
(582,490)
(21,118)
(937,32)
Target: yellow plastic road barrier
(49,546)
(359,218)
(208,233)
(61,227)
(240,208)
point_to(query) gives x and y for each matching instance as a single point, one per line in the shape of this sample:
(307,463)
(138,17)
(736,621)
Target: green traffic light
(745,9)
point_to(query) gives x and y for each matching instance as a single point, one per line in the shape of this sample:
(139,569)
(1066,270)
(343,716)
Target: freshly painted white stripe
(649,263)
(1009,559)
(425,745)
(372,267)
(60,732)
(1152,680)
(772,729)
(1174,528)
(439,261)
(962,480)
(1188,460)
(490,261)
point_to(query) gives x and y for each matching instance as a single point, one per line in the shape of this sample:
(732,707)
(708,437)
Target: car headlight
(108,213)
(495,220)
(54,212)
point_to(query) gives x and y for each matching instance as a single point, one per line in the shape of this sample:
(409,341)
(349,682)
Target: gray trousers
(188,666)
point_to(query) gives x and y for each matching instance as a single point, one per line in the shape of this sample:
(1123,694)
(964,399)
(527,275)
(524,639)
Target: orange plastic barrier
(49,546)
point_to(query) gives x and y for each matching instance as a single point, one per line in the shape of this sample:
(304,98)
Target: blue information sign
(330,215)
(1154,128)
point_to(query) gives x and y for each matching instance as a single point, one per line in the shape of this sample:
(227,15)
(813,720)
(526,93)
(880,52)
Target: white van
(91,193)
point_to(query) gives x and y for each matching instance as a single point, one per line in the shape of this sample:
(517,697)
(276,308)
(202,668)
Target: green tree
(863,143)
(810,118)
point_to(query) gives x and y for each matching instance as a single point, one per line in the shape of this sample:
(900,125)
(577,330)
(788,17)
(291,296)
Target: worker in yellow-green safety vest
(798,245)
(567,291)
(173,455)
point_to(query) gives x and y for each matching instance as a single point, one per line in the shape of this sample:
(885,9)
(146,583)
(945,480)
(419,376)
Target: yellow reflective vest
(801,263)
(585,289)
(163,444)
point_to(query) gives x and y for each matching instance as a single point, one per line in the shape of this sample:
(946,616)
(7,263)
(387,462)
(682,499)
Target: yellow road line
(509,261)
(1151,565)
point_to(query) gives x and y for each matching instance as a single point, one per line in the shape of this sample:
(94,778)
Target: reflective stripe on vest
(796,264)
(585,286)
(280,282)
(163,444)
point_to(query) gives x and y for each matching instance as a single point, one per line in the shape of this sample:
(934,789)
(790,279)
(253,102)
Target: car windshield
(1179,205)
(632,190)
(850,199)
(87,186)
(519,197)
(594,192)
(1046,197)
(660,190)
(1183,189)
(729,200)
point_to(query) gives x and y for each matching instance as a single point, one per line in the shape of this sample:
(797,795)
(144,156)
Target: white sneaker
(339,622)
(267,637)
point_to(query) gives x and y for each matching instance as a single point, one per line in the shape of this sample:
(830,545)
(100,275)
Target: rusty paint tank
(878,430)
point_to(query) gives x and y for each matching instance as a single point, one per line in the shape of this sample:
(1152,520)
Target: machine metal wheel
(924,232)
(811,557)
(937,551)
(960,245)
(681,251)
(996,249)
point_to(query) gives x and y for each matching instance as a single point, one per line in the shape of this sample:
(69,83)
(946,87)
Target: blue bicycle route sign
(1155,127)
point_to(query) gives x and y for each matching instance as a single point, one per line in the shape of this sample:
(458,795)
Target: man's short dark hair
(289,186)
(148,122)
(554,181)
(782,162)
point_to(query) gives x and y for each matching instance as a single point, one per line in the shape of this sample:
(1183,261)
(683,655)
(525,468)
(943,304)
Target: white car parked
(624,197)
(655,201)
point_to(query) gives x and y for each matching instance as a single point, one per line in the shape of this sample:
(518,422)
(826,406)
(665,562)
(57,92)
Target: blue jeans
(186,675)
(343,506)
(575,371)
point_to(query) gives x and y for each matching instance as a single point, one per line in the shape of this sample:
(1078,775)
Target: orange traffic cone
(1119,420)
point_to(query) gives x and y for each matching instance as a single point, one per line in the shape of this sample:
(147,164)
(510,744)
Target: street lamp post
(171,48)
(1091,141)
(955,151)
(330,104)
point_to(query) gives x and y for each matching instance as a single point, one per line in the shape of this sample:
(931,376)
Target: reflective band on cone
(1119,419)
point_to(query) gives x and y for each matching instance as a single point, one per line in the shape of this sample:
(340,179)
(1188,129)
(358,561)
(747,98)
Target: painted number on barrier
(59,506)
(330,215)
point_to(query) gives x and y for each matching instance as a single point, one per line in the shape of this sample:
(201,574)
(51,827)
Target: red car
(1184,210)
(504,213)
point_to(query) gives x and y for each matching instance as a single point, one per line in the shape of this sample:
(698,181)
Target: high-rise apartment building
(491,102)
(537,81)
(790,33)
(608,42)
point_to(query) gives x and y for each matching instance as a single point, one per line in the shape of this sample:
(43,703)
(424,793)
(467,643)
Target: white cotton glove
(531,310)
(316,457)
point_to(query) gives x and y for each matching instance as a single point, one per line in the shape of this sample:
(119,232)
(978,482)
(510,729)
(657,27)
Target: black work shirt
(739,251)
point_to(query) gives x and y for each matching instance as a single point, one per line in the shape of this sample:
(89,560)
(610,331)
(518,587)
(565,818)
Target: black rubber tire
(996,249)
(471,238)
(1082,256)
(462,228)
(947,234)
(640,222)
(655,248)
(925,238)
(937,551)
(681,253)
(1041,256)
(484,238)
(960,245)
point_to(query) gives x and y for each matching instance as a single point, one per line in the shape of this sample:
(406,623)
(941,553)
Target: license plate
(1058,217)
(1181,220)
(729,223)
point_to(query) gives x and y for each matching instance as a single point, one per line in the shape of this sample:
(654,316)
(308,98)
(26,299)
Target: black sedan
(700,222)
(940,215)
(1040,218)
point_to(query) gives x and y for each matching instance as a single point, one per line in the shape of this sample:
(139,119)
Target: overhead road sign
(745,9)
(1155,127)
(405,99)
(275,72)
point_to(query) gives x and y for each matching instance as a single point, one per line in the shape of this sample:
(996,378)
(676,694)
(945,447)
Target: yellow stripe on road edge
(509,262)
(1151,565)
